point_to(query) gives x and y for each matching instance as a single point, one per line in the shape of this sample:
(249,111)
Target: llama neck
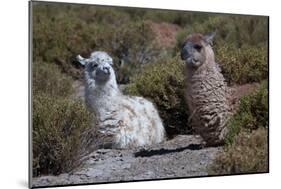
(209,53)
(100,97)
(103,90)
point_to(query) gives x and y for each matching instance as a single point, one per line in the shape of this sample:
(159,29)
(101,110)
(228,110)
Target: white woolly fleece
(128,120)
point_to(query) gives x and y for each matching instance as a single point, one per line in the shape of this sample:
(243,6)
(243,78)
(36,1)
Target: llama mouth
(191,61)
(102,75)
(103,72)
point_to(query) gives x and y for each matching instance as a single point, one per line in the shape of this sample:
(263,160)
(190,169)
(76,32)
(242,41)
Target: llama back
(137,123)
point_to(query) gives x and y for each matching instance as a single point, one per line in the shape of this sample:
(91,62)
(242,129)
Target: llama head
(98,66)
(196,49)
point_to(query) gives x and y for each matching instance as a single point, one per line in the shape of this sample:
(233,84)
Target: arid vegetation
(148,67)
(246,149)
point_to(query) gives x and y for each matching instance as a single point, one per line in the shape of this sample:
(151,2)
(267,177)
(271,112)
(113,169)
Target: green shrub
(231,29)
(48,79)
(242,65)
(182,18)
(60,126)
(246,149)
(131,45)
(163,83)
(252,113)
(247,154)
(59,34)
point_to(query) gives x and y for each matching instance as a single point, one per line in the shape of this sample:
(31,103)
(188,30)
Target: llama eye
(198,47)
(94,66)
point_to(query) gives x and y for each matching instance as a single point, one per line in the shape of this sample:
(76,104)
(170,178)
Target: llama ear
(82,60)
(209,37)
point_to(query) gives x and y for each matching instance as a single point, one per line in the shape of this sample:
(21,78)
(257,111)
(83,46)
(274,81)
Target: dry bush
(60,33)
(231,29)
(246,149)
(48,79)
(181,18)
(59,128)
(62,128)
(131,45)
(247,154)
(253,112)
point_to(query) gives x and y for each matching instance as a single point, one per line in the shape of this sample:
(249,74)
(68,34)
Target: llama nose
(105,69)
(185,52)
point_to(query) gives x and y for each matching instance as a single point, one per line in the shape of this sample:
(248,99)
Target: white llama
(123,121)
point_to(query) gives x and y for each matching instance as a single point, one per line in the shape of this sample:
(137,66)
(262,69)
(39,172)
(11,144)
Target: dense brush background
(145,47)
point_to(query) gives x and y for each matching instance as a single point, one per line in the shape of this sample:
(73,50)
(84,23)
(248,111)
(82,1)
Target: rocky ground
(182,156)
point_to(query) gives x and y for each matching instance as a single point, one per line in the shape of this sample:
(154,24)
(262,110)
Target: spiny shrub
(252,113)
(163,83)
(48,79)
(242,65)
(58,134)
(247,154)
